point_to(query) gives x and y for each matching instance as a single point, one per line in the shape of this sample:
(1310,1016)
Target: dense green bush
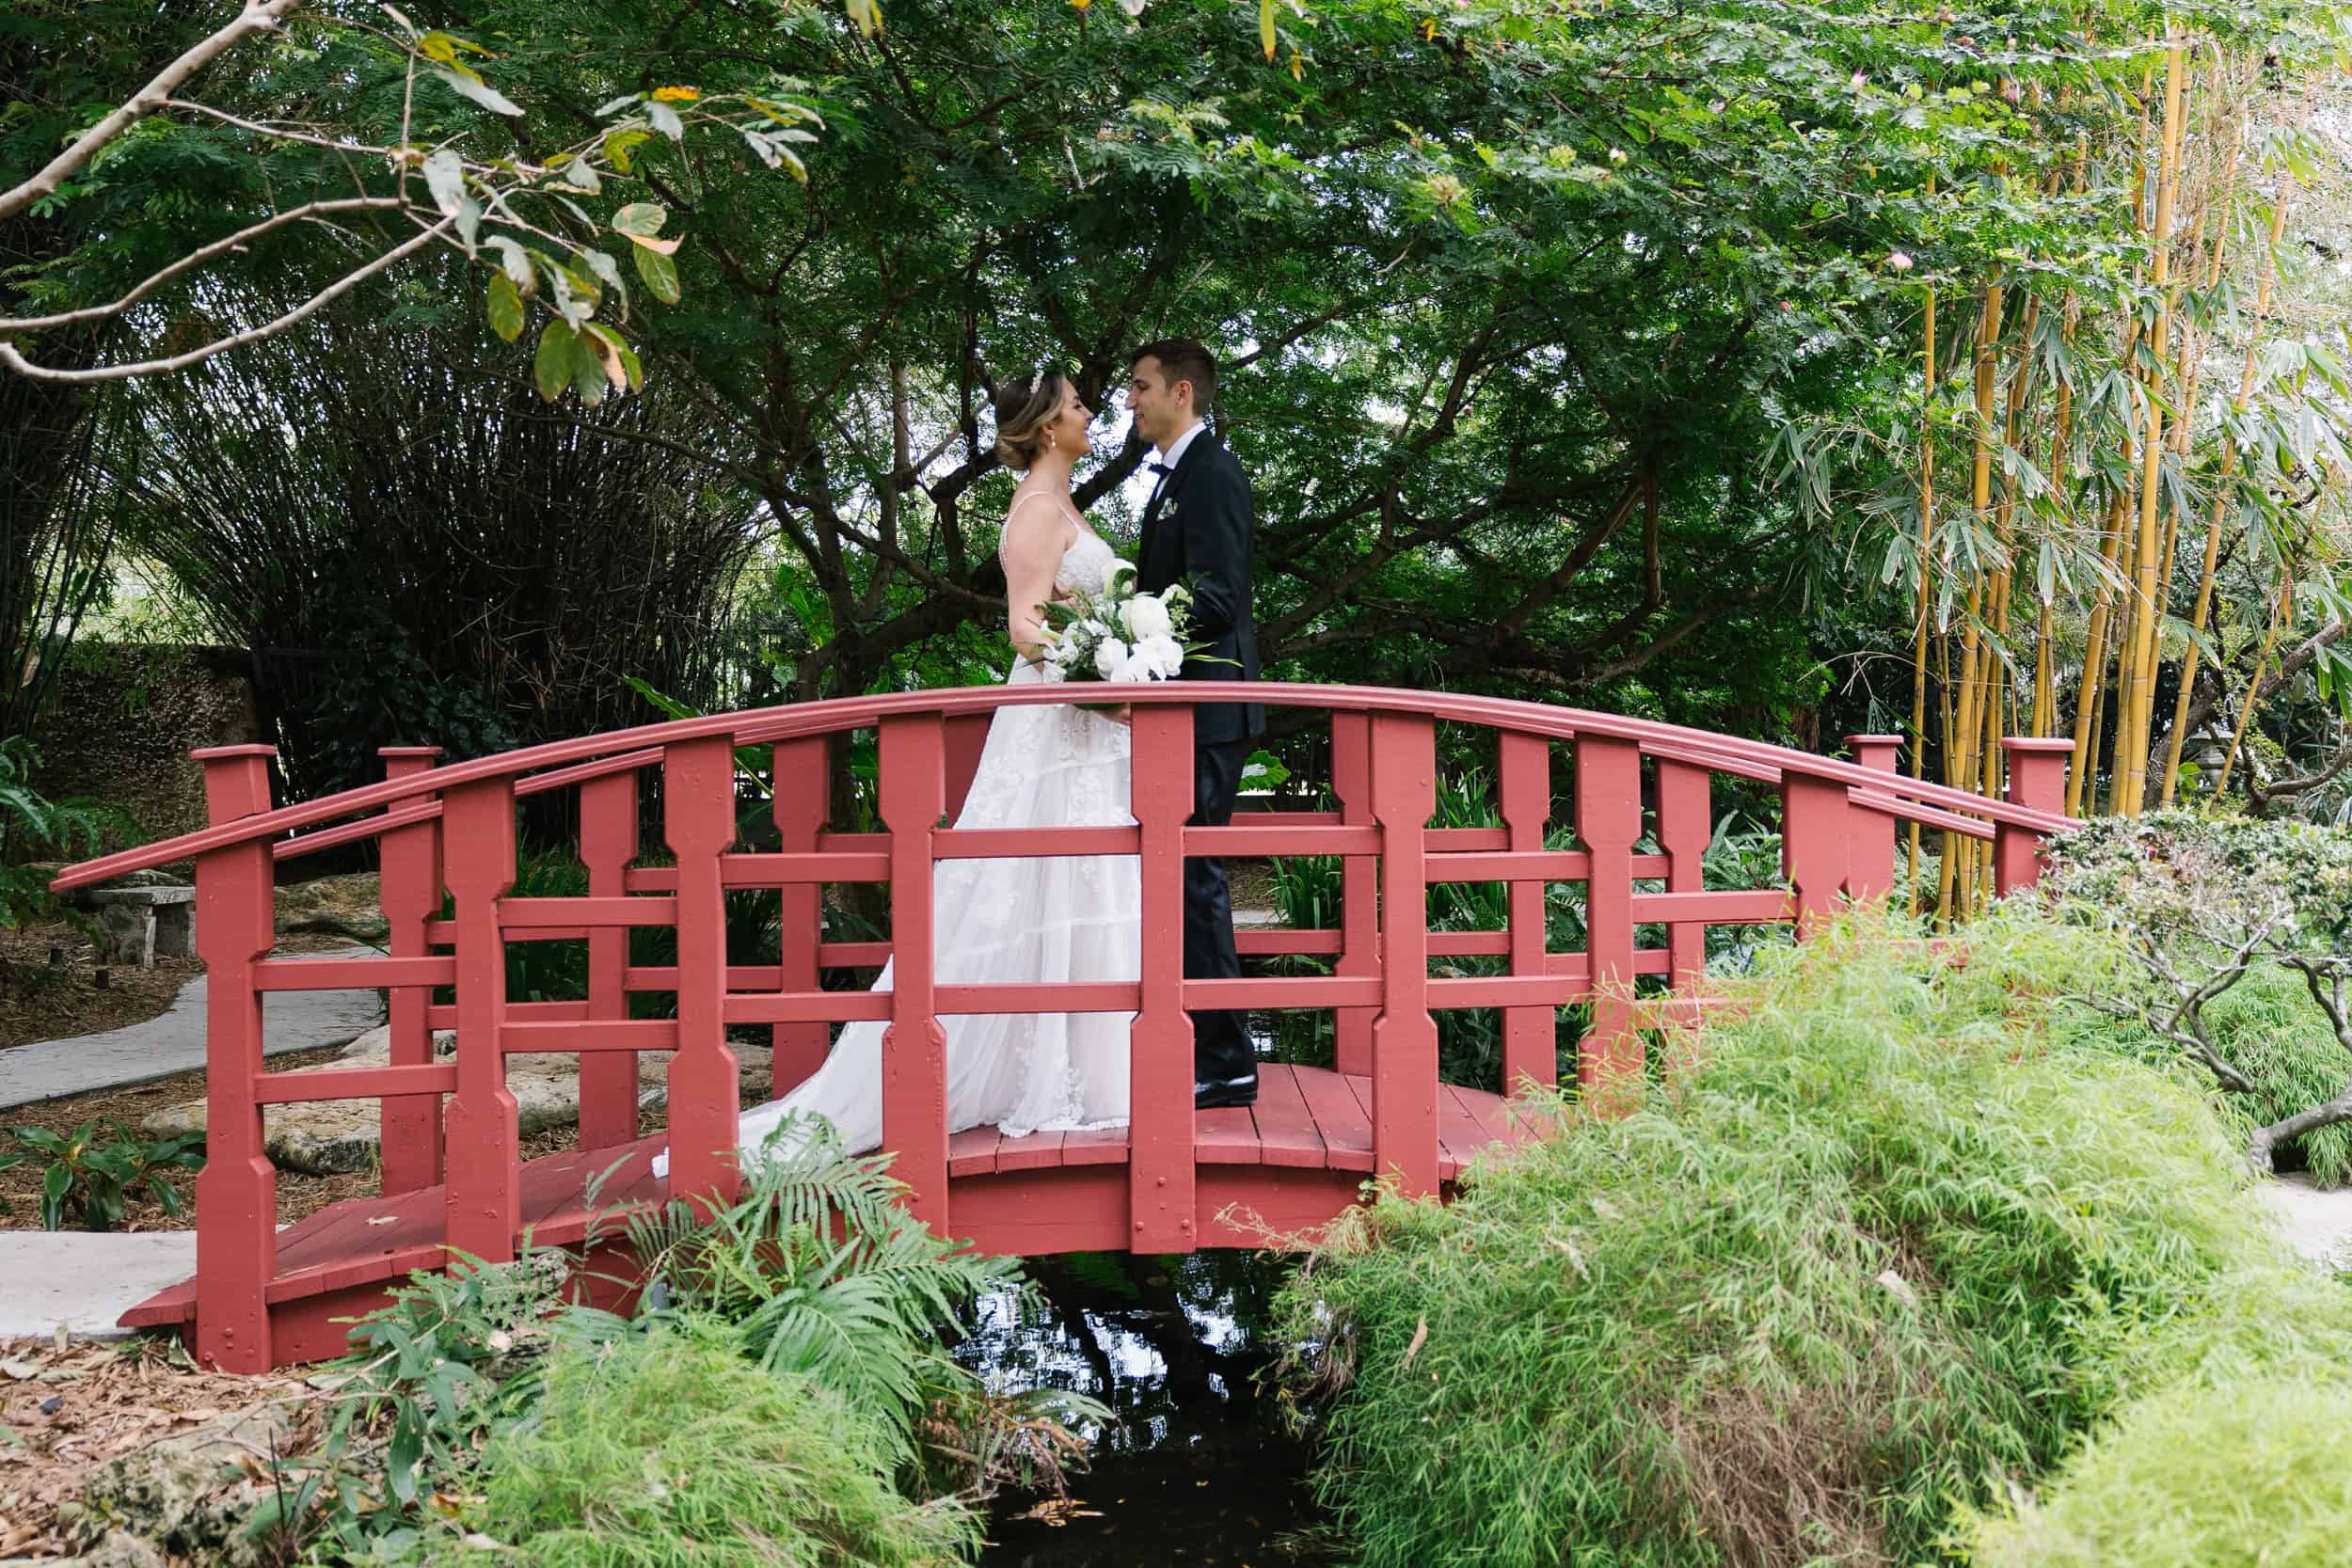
(1903,1233)
(669,1447)
(2258,1476)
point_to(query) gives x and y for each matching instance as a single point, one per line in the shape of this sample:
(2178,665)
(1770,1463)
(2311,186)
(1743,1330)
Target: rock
(187,1496)
(333,1137)
(350,904)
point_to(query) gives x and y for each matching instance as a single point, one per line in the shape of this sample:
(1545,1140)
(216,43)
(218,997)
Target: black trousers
(1220,1040)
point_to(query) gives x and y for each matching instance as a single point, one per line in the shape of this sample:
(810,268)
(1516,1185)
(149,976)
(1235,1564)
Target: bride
(1033,920)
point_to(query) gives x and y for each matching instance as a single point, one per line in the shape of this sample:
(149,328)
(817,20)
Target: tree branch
(255,17)
(12,359)
(308,210)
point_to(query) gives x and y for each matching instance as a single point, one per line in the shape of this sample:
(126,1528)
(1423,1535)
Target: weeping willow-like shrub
(669,1449)
(2257,1476)
(1905,1233)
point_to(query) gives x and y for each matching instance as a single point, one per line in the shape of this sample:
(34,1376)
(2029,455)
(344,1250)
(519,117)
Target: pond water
(1198,1464)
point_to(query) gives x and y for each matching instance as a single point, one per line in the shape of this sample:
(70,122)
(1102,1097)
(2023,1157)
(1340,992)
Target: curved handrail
(597,753)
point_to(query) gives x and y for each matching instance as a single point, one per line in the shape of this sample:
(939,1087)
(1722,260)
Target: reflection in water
(1196,1466)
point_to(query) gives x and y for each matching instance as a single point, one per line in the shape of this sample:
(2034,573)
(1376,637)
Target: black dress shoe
(1210,1094)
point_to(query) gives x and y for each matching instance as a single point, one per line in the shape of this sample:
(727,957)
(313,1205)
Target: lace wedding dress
(1013,921)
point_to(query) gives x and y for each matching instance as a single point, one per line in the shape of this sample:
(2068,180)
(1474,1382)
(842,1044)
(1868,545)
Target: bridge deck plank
(1227,1136)
(973,1151)
(1340,1120)
(1286,1129)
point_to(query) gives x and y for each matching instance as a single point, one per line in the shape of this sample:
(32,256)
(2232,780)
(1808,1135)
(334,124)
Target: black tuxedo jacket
(1197,531)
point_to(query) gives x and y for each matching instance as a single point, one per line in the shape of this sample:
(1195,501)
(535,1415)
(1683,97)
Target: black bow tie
(1159,467)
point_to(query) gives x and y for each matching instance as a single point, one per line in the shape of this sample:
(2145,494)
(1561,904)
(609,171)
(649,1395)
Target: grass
(1912,1228)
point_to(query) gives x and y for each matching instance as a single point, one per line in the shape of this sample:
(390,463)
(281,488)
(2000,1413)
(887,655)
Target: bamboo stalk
(2266,274)
(2139,678)
(1926,575)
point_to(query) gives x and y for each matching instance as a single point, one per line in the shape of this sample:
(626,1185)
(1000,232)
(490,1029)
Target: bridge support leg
(1608,821)
(1160,1155)
(484,1193)
(236,1193)
(2037,778)
(410,896)
(1405,1038)
(698,819)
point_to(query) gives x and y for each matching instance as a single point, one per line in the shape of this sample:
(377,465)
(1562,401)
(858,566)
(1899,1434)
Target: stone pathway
(174,1042)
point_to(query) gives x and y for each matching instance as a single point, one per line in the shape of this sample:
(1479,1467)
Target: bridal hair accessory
(1119,634)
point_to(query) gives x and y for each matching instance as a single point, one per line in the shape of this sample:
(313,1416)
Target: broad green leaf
(658,272)
(1265,27)
(608,272)
(515,257)
(621,144)
(445,177)
(607,110)
(506,307)
(665,119)
(640,217)
(551,371)
(606,345)
(582,175)
(471,86)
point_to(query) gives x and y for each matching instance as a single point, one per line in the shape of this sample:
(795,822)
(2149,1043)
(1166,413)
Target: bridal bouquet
(1119,634)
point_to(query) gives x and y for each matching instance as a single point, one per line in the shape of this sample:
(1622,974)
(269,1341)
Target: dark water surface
(1198,1466)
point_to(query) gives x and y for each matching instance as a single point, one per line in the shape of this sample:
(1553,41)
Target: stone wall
(122,717)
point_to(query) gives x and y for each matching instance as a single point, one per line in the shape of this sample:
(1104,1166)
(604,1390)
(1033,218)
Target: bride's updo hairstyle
(1025,406)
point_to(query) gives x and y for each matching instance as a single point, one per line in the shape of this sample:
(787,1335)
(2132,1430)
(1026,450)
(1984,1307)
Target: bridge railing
(453,828)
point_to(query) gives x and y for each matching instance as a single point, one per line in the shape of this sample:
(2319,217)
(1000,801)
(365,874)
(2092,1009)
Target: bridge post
(804,780)
(609,841)
(409,875)
(1161,1133)
(484,1191)
(1815,845)
(2037,779)
(1686,825)
(1870,861)
(1530,1051)
(706,1094)
(1360,915)
(1608,820)
(236,1191)
(1405,1037)
(914,1047)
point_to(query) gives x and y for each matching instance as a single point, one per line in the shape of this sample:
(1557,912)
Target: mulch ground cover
(65,1410)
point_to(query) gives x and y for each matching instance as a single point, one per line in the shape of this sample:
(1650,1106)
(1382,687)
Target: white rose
(1146,617)
(1110,660)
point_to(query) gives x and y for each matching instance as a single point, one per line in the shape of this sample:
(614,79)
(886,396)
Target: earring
(1050,442)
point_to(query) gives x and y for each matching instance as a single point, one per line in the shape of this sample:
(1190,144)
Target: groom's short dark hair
(1182,359)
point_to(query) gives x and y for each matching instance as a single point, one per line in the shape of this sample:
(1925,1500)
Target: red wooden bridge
(453,1173)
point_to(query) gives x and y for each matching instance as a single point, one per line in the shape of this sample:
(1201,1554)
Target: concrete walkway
(85,1281)
(174,1042)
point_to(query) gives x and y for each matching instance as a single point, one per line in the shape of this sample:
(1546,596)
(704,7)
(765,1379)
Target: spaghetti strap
(1068,514)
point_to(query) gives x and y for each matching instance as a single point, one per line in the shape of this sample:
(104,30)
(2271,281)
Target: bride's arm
(1032,549)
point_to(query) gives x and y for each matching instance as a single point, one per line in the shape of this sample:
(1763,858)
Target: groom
(1196,531)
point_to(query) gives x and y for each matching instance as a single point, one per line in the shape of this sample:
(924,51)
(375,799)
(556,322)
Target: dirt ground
(51,986)
(65,1411)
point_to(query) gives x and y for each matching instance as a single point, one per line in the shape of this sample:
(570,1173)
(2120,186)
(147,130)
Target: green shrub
(2195,1478)
(1899,1235)
(671,1449)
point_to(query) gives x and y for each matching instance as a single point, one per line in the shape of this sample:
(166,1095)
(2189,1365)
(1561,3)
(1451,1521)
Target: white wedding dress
(1011,921)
